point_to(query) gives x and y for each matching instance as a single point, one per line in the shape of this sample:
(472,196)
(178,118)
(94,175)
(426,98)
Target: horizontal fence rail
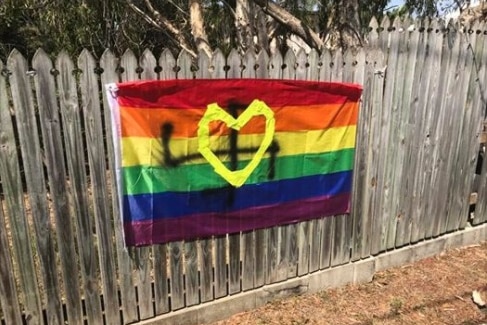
(419,174)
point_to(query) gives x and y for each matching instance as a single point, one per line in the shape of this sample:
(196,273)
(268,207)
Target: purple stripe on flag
(204,225)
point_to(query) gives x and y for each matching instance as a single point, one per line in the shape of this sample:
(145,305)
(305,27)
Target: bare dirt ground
(436,290)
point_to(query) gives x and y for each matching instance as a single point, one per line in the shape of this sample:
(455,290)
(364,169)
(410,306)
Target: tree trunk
(344,25)
(197,27)
(292,23)
(244,24)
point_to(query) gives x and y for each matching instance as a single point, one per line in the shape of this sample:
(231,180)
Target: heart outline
(215,113)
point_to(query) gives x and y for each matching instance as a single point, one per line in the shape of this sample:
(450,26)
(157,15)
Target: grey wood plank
(206,269)
(326,65)
(109,64)
(185,68)
(313,66)
(275,259)
(439,133)
(220,243)
(167,62)
(262,65)
(340,244)
(480,213)
(396,70)
(75,158)
(314,244)
(301,70)
(402,190)
(235,66)
(148,63)
(248,63)
(417,119)
(303,247)
(470,129)
(327,229)
(218,62)
(386,162)
(141,255)
(190,269)
(56,175)
(360,218)
(191,272)
(260,257)
(377,61)
(453,69)
(456,173)
(430,125)
(248,260)
(248,247)
(32,162)
(97,167)
(204,66)
(9,298)
(273,255)
(176,275)
(277,263)
(289,65)
(206,245)
(275,66)
(337,66)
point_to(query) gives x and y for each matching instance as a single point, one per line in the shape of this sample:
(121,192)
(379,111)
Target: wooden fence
(62,258)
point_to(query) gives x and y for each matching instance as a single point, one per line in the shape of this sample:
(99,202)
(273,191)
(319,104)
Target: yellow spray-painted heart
(215,113)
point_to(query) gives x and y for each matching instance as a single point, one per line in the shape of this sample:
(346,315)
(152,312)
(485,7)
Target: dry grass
(436,290)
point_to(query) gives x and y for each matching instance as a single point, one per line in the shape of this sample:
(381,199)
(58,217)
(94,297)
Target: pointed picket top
(275,65)
(15,59)
(360,58)
(204,63)
(234,65)
(435,25)
(313,65)
(477,26)
(148,63)
(289,65)
(109,61)
(86,60)
(129,64)
(374,24)
(349,66)
(65,66)
(373,35)
(248,64)
(218,63)
(40,56)
(262,65)
(397,23)
(385,24)
(326,65)
(168,64)
(184,63)
(301,65)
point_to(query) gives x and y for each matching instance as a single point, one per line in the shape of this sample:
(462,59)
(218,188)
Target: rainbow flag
(197,158)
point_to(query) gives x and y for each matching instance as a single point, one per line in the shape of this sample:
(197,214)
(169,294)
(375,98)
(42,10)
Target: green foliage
(99,24)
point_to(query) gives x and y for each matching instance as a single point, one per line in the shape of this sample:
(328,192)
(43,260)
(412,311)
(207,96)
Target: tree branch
(295,25)
(162,23)
(197,28)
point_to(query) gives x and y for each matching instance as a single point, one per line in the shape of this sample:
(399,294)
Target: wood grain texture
(8,292)
(56,176)
(23,105)
(92,118)
(109,64)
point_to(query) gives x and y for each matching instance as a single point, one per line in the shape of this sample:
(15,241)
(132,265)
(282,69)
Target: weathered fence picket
(9,309)
(421,118)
